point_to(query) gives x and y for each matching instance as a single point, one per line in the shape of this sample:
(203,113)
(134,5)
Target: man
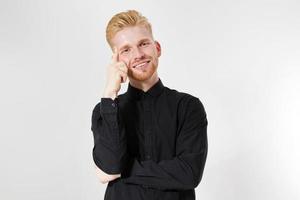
(151,141)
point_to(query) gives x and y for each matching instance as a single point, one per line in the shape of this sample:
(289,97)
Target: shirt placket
(147,127)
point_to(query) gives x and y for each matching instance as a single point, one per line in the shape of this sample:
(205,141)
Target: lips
(140,64)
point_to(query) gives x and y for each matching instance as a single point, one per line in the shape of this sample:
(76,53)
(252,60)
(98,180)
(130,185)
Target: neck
(146,84)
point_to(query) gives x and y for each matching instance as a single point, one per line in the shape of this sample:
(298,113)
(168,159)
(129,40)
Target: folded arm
(185,170)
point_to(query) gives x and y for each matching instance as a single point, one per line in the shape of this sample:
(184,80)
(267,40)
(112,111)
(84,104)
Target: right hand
(104,177)
(116,74)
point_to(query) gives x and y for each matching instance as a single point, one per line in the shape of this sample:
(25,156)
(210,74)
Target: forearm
(109,151)
(180,173)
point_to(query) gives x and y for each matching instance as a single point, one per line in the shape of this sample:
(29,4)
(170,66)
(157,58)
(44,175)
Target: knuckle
(121,71)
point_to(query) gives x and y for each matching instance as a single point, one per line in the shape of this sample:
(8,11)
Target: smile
(141,64)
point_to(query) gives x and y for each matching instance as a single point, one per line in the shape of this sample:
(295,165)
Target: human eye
(143,44)
(124,51)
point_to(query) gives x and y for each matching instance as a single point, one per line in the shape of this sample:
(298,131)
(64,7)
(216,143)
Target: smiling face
(138,51)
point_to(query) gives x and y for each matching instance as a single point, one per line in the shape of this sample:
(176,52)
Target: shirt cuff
(108,105)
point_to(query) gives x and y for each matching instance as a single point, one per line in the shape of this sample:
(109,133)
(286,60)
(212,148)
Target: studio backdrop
(240,58)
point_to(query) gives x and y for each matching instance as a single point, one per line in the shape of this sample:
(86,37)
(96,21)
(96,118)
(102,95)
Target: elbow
(196,183)
(197,178)
(192,183)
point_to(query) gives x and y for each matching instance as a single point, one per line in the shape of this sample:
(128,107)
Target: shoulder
(187,104)
(185,99)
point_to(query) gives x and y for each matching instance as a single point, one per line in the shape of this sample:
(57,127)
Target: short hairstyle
(125,19)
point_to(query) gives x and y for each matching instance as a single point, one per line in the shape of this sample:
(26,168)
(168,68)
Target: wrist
(109,94)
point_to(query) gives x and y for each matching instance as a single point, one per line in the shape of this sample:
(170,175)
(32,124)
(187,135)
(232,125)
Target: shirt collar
(137,93)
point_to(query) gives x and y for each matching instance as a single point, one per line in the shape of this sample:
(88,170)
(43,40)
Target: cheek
(152,52)
(124,59)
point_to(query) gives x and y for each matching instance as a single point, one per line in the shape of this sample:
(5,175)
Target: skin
(131,46)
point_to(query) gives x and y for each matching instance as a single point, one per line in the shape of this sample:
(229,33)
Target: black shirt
(156,140)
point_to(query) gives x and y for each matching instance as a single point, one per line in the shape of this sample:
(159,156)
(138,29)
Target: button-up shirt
(156,140)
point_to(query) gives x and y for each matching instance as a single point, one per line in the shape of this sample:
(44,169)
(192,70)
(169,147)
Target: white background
(241,58)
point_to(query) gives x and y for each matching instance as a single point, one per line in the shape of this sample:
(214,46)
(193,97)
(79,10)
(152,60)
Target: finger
(115,55)
(123,76)
(122,66)
(123,72)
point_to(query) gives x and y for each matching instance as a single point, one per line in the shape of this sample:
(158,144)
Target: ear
(158,48)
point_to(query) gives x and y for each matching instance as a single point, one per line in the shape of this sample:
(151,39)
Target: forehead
(131,36)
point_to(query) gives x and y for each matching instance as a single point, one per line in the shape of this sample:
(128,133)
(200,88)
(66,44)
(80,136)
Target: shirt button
(113,104)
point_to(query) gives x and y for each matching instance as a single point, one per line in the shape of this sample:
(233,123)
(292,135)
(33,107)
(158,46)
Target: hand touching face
(138,51)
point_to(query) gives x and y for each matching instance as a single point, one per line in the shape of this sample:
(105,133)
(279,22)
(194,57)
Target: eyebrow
(142,40)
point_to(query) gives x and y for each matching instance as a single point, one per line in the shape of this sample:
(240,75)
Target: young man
(151,141)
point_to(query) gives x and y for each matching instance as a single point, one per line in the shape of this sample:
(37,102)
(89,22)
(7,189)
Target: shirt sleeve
(109,151)
(185,170)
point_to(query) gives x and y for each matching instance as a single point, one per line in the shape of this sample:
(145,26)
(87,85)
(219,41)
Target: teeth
(139,65)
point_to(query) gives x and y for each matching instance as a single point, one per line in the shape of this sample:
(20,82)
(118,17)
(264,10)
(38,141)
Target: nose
(138,54)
